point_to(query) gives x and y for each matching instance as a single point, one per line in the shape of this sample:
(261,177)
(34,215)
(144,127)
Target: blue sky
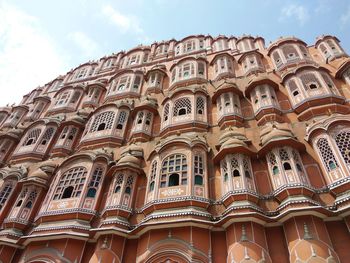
(42,39)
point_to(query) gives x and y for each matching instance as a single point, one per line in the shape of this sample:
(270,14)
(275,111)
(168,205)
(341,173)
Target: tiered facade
(199,150)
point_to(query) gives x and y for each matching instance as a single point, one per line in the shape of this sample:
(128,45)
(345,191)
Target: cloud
(125,23)
(298,11)
(345,18)
(28,56)
(87,45)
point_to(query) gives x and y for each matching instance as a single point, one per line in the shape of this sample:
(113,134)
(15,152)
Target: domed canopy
(232,141)
(129,160)
(275,135)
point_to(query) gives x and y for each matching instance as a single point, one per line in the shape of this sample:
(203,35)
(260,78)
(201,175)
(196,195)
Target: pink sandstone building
(199,150)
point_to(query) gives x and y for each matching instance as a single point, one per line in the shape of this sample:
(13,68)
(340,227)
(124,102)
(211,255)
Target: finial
(313,252)
(307,235)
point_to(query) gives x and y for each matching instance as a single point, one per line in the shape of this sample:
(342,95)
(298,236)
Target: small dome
(15,132)
(233,143)
(149,102)
(39,174)
(130,161)
(132,149)
(230,134)
(275,132)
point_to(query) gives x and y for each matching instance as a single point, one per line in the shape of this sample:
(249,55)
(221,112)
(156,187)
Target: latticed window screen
(200,105)
(75,97)
(4,146)
(129,183)
(152,176)
(323,48)
(140,117)
(105,118)
(95,181)
(198,170)
(96,177)
(308,79)
(224,170)
(5,193)
(63,98)
(246,167)
(271,158)
(121,120)
(342,140)
(72,133)
(234,166)
(327,79)
(326,154)
(293,87)
(166,112)
(148,118)
(276,57)
(32,137)
(289,51)
(32,196)
(118,183)
(73,179)
(47,136)
(283,155)
(182,106)
(174,166)
(304,51)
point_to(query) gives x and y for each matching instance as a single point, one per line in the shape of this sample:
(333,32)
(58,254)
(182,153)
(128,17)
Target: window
(103,121)
(71,183)
(290,52)
(129,183)
(174,171)
(63,98)
(342,139)
(121,120)
(95,182)
(5,193)
(166,112)
(198,170)
(118,183)
(152,176)
(47,136)
(200,105)
(32,137)
(182,106)
(309,80)
(201,67)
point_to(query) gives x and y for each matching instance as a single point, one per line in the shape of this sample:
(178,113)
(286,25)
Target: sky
(41,39)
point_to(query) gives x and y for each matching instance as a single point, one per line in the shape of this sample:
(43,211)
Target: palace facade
(200,150)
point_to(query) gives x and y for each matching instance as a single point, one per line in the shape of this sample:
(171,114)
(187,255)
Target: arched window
(166,112)
(326,153)
(47,136)
(310,81)
(342,139)
(71,183)
(95,181)
(5,193)
(103,121)
(182,106)
(198,170)
(152,176)
(32,137)
(118,183)
(290,52)
(174,170)
(129,184)
(121,120)
(200,105)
